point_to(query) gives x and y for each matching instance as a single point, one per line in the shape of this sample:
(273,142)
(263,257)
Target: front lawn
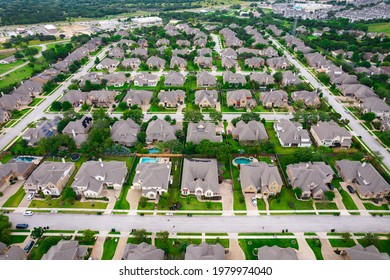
(326,206)
(346,198)
(250,246)
(122,203)
(370,206)
(239,199)
(340,243)
(224,242)
(109,248)
(175,248)
(315,245)
(35,102)
(43,245)
(288,201)
(15,199)
(56,203)
(383,245)
(17,239)
(269,126)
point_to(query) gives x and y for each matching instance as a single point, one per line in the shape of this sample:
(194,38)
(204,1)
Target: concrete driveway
(225,189)
(133,197)
(235,251)
(304,252)
(252,209)
(97,250)
(355,198)
(9,190)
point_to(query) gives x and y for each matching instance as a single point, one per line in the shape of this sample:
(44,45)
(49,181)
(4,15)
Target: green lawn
(122,203)
(250,246)
(175,248)
(7,67)
(340,243)
(17,239)
(287,201)
(132,240)
(346,198)
(56,203)
(43,245)
(326,206)
(109,248)
(261,204)
(16,198)
(315,245)
(224,242)
(379,27)
(238,197)
(35,101)
(383,245)
(370,206)
(269,126)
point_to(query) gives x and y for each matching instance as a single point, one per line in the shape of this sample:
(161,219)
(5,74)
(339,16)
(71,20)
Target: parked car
(28,246)
(254,201)
(31,195)
(21,226)
(350,189)
(331,187)
(28,213)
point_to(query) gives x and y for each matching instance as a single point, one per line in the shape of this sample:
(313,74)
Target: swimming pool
(242,160)
(147,159)
(154,151)
(25,159)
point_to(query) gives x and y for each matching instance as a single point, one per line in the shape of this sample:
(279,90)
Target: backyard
(288,201)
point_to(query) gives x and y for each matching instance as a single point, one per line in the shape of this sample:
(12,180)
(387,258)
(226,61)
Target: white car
(28,213)
(254,201)
(31,195)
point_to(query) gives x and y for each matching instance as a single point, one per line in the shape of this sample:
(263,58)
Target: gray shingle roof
(66,250)
(276,253)
(291,132)
(260,175)
(205,251)
(142,251)
(197,132)
(125,132)
(153,175)
(200,173)
(251,131)
(160,130)
(358,252)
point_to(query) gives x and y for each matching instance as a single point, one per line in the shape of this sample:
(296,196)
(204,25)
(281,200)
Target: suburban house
(140,52)
(12,252)
(228,62)
(358,252)
(138,97)
(203,61)
(260,177)
(49,177)
(132,63)
(155,62)
(357,91)
(145,80)
(171,98)
(205,251)
(309,98)
(205,52)
(311,177)
(367,180)
(205,79)
(230,53)
(153,178)
(385,123)
(142,251)
(330,134)
(278,63)
(196,132)
(183,43)
(289,78)
(233,78)
(269,52)
(249,132)
(125,132)
(175,79)
(262,78)
(107,63)
(78,129)
(94,176)
(291,134)
(8,60)
(179,62)
(160,130)
(116,53)
(206,98)
(254,62)
(114,79)
(29,88)
(43,129)
(162,42)
(200,177)
(375,105)
(241,98)
(248,52)
(274,99)
(15,170)
(4,116)
(276,253)
(66,250)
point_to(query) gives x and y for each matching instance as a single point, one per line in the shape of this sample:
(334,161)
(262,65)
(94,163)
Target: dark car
(22,226)
(331,187)
(28,246)
(350,189)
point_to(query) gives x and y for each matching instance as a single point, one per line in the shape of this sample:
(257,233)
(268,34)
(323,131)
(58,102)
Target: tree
(346,236)
(37,232)
(163,237)
(136,115)
(298,192)
(5,229)
(278,76)
(368,117)
(88,236)
(193,116)
(122,106)
(371,239)
(68,195)
(143,201)
(97,60)
(66,105)
(140,235)
(215,115)
(324,78)
(56,106)
(329,195)
(168,118)
(180,135)
(57,145)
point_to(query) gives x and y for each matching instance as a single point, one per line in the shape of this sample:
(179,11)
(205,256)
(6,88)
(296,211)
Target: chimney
(73,133)
(101,162)
(364,163)
(63,160)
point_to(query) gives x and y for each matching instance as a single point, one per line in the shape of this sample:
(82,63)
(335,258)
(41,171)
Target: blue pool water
(154,151)
(25,159)
(242,160)
(147,159)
